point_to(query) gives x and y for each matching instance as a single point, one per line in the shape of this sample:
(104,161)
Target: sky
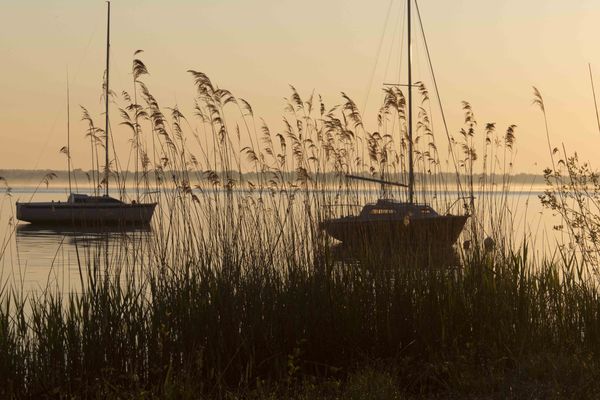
(489,53)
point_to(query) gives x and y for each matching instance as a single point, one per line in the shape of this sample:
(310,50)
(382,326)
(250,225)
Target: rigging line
(594,94)
(396,36)
(117,163)
(45,146)
(48,137)
(69,134)
(387,17)
(402,25)
(439,97)
(439,179)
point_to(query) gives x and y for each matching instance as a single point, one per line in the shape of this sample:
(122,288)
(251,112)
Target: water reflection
(401,256)
(64,256)
(39,235)
(73,230)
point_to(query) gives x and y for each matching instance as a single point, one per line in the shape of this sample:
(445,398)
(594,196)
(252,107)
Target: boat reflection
(32,235)
(76,230)
(402,256)
(68,258)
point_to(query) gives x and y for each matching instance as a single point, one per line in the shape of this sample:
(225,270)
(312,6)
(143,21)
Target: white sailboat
(83,210)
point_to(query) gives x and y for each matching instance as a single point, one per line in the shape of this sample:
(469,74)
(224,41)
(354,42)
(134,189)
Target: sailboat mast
(106,166)
(69,135)
(411,172)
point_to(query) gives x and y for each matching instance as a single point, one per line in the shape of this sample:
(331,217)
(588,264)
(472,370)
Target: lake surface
(34,259)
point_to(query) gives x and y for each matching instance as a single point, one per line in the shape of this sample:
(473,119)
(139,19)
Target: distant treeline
(35,176)
(29,176)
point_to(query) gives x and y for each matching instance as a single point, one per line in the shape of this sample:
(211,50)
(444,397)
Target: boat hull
(434,232)
(66,214)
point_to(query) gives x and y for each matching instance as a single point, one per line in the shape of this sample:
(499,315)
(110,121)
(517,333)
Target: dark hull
(85,215)
(432,232)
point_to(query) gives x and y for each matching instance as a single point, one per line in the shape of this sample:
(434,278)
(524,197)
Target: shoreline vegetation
(33,177)
(240,295)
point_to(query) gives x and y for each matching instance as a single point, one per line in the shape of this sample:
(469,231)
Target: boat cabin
(75,198)
(394,209)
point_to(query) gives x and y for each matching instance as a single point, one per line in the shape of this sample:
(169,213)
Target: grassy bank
(206,329)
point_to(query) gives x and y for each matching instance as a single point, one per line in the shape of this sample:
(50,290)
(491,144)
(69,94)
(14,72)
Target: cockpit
(394,209)
(76,198)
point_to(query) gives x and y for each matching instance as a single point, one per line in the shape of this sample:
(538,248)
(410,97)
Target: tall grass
(238,286)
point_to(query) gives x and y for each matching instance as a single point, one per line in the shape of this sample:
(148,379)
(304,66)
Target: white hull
(56,213)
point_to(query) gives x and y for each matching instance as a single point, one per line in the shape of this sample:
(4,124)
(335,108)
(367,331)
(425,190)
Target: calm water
(34,259)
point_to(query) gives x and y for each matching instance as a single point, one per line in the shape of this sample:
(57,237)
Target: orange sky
(489,53)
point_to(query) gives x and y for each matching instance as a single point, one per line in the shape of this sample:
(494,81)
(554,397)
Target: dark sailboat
(89,211)
(397,224)
(390,224)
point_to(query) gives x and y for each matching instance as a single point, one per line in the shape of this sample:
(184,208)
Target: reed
(238,290)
